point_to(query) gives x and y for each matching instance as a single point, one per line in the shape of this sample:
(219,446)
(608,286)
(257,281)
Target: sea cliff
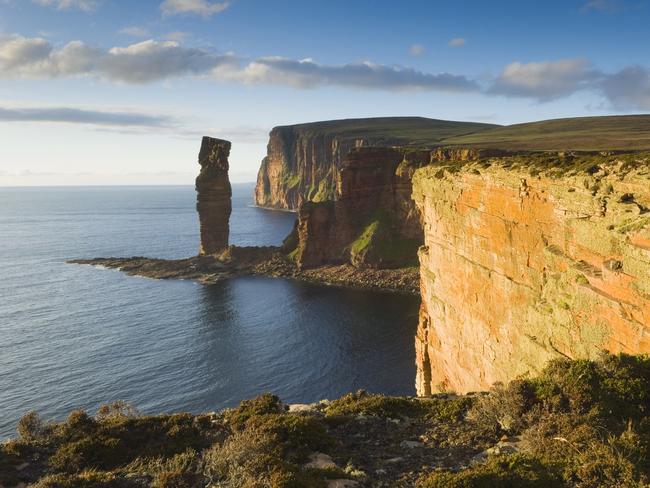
(530,258)
(303,160)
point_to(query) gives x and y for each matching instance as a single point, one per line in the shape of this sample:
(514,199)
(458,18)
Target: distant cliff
(530,258)
(303,161)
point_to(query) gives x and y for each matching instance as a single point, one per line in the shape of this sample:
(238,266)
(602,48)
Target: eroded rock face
(519,267)
(301,166)
(214,195)
(303,160)
(372,221)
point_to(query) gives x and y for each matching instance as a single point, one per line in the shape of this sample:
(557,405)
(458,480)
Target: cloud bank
(151,61)
(308,74)
(546,80)
(143,62)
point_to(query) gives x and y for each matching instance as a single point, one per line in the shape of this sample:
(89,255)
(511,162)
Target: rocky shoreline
(262,261)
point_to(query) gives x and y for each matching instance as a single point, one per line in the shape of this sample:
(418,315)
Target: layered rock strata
(372,220)
(303,161)
(522,264)
(214,194)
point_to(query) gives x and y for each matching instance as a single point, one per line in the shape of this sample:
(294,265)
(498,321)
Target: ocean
(74,336)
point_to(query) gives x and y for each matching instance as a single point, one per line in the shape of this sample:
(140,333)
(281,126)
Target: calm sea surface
(75,336)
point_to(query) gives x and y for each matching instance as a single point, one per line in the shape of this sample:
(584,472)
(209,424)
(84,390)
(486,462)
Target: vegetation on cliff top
(579,424)
(611,133)
(406,131)
(605,133)
(378,243)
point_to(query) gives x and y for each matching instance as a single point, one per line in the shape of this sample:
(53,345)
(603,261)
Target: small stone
(302,407)
(22,466)
(319,460)
(410,444)
(394,460)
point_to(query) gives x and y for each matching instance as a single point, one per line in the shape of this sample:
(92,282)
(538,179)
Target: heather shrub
(263,404)
(31,427)
(503,408)
(116,412)
(252,458)
(514,471)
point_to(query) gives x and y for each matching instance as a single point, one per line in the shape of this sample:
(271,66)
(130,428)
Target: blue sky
(119,92)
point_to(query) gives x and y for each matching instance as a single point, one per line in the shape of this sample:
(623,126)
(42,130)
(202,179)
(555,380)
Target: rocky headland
(524,255)
(263,261)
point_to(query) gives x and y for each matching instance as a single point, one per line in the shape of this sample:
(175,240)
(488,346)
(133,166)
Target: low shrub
(363,403)
(296,435)
(31,427)
(514,471)
(261,405)
(253,459)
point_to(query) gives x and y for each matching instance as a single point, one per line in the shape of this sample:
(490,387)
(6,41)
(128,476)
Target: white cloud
(417,50)
(134,31)
(84,5)
(308,74)
(457,42)
(151,60)
(204,8)
(629,89)
(545,80)
(154,60)
(143,62)
(36,57)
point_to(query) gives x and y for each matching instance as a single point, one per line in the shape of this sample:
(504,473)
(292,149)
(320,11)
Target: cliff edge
(530,258)
(303,160)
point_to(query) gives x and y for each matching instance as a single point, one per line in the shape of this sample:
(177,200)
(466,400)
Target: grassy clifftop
(606,133)
(412,131)
(614,133)
(580,424)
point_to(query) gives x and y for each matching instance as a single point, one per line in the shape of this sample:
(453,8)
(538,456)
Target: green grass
(611,133)
(406,131)
(379,244)
(608,133)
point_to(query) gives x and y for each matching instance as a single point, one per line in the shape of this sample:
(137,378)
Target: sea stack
(214,194)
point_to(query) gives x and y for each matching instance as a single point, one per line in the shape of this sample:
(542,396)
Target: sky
(121,91)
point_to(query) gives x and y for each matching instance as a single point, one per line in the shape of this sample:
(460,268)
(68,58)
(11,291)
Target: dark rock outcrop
(372,221)
(214,195)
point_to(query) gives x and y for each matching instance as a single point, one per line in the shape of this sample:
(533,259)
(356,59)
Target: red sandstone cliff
(527,259)
(214,194)
(372,220)
(303,161)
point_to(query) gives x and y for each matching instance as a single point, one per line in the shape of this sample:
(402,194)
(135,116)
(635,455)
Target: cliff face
(303,161)
(214,194)
(522,264)
(372,221)
(301,166)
